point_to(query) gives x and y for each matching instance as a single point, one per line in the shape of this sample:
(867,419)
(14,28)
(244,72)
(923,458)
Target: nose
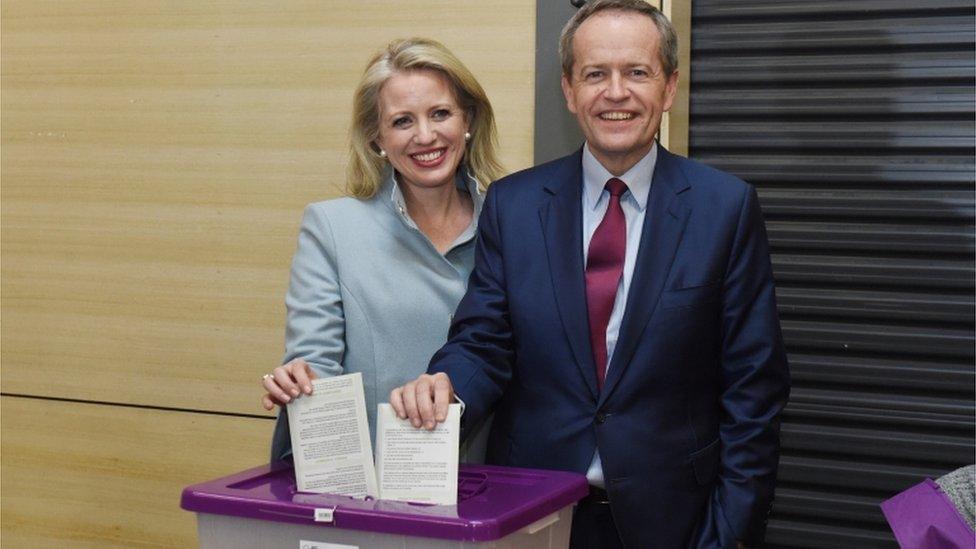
(616,87)
(425,133)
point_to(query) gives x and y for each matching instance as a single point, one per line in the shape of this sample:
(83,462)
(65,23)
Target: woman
(377,276)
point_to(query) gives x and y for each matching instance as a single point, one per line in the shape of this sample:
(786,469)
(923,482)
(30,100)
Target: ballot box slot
(256,482)
(470,484)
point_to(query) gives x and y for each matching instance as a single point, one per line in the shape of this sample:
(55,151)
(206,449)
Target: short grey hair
(668,46)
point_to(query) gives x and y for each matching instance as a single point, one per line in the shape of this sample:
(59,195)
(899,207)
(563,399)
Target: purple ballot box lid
(493,502)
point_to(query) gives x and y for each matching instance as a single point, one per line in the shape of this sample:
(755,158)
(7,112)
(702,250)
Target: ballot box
(497,507)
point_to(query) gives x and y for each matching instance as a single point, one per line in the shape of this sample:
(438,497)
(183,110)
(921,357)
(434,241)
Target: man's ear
(569,93)
(671,90)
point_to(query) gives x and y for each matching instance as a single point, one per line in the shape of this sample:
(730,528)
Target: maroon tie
(604,267)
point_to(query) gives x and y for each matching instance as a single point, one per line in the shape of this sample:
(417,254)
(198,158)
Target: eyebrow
(650,68)
(396,114)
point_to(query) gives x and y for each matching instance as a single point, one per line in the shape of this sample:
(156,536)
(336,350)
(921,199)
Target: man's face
(618,90)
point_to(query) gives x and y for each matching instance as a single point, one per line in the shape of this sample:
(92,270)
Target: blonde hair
(366,166)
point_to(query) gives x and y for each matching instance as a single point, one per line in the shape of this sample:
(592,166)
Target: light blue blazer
(369,293)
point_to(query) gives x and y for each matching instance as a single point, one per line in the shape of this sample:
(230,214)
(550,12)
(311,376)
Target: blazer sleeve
(315,327)
(479,351)
(755,385)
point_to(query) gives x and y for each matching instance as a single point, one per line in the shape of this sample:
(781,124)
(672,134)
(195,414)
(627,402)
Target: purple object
(493,502)
(923,517)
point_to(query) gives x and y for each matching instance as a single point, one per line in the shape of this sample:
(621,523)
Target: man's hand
(424,400)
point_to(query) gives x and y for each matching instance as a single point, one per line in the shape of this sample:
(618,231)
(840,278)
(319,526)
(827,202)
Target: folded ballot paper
(332,451)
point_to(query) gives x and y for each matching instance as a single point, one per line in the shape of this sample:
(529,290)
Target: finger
(300,371)
(275,391)
(279,398)
(396,401)
(425,402)
(410,403)
(267,402)
(283,376)
(443,396)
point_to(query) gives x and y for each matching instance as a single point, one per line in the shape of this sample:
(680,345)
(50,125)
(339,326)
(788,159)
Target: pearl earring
(382,153)
(467,136)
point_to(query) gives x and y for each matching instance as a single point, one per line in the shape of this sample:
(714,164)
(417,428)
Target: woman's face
(421,127)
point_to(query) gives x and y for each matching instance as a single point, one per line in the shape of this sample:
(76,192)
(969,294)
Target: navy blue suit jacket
(688,421)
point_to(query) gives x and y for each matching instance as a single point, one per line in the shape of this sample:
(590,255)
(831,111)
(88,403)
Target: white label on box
(325,515)
(303,544)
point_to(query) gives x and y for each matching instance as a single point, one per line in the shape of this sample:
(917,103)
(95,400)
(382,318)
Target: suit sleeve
(479,351)
(755,385)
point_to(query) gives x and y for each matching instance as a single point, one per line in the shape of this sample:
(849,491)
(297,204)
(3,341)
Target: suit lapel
(562,227)
(664,223)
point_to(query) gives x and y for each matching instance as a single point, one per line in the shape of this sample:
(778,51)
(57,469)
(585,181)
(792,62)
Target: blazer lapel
(562,226)
(664,223)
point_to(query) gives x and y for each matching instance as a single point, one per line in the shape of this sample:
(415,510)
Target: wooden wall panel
(156,158)
(90,475)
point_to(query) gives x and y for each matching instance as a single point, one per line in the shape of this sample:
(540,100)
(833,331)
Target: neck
(431,203)
(442,213)
(618,164)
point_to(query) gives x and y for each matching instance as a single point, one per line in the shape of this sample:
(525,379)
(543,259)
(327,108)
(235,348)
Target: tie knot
(616,187)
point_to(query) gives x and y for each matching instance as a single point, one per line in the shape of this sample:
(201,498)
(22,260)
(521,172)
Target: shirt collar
(463,180)
(637,178)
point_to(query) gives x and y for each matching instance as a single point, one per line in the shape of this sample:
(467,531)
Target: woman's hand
(287,382)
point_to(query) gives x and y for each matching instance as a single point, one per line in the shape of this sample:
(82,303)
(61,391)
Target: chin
(432,181)
(617,147)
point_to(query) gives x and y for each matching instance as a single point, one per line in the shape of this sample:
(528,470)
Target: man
(621,317)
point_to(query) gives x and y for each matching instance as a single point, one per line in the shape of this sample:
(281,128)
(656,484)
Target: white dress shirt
(634,204)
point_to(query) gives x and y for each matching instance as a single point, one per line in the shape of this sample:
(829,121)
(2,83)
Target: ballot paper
(417,465)
(330,438)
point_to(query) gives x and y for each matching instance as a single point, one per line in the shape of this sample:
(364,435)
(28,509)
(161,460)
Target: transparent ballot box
(497,507)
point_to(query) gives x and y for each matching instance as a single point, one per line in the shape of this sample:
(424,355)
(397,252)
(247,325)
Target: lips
(429,158)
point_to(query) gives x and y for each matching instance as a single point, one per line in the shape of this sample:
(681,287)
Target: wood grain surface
(156,158)
(90,475)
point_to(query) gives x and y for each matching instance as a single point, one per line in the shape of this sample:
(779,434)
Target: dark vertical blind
(855,121)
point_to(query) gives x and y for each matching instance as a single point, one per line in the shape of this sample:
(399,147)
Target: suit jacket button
(601,417)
